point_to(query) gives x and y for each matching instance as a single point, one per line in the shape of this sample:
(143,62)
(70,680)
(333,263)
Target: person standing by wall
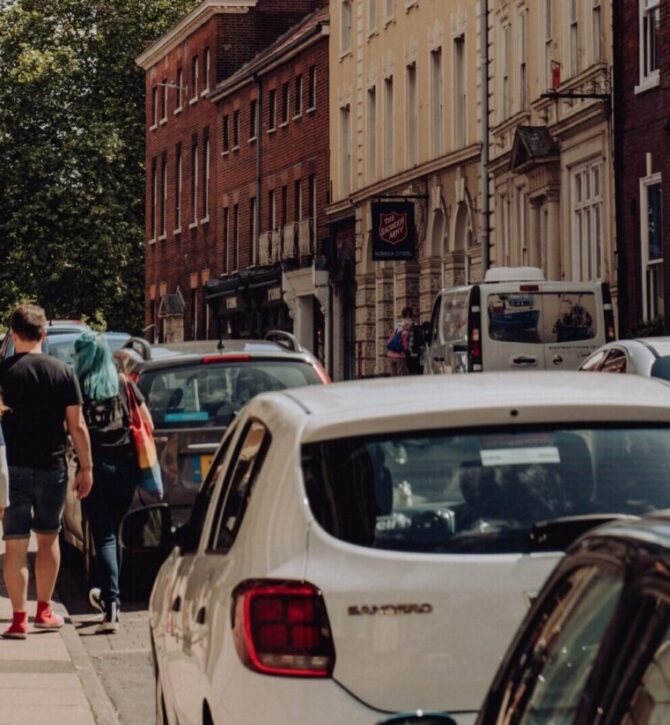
(115,466)
(43,400)
(397,346)
(415,344)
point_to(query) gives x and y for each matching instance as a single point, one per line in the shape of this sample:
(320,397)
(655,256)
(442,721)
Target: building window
(522,227)
(297,200)
(284,103)
(460,100)
(587,204)
(372,16)
(412,116)
(436,102)
(574,37)
(298,96)
(505,60)
(345,25)
(272,110)
(164,195)
(226,133)
(194,313)
(272,211)
(195,70)
(650,38)
(389,9)
(154,107)
(253,116)
(194,183)
(180,90)
(312,88)
(651,203)
(372,133)
(236,234)
(523,39)
(154,199)
(206,70)
(226,236)
(205,189)
(177,189)
(388,125)
(596,30)
(236,129)
(164,107)
(284,205)
(547,36)
(345,149)
(253,230)
(312,201)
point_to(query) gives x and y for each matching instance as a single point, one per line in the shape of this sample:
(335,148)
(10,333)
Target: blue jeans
(36,501)
(112,493)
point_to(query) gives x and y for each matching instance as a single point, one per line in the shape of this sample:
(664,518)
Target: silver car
(646,356)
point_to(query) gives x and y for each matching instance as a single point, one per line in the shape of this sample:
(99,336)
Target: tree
(72,131)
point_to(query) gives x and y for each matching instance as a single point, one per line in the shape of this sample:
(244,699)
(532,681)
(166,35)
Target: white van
(516,319)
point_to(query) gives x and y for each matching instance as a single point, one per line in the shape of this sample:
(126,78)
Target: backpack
(395,342)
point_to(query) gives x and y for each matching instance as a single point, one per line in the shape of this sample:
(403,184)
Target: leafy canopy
(72,154)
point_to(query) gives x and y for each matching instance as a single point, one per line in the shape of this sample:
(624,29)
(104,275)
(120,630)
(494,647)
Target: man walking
(43,398)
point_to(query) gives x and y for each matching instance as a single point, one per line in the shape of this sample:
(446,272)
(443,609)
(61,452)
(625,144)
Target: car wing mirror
(147,529)
(419,717)
(661,368)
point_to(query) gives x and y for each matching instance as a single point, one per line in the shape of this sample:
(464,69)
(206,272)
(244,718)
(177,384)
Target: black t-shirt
(37,389)
(108,424)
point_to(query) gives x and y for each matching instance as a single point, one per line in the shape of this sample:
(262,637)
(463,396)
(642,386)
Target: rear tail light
(134,376)
(610,333)
(323,375)
(474,332)
(225,359)
(282,628)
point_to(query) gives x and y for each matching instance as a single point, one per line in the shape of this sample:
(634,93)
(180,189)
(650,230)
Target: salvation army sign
(393,231)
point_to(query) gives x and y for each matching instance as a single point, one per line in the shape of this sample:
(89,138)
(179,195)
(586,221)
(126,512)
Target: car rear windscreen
(482,492)
(542,317)
(199,395)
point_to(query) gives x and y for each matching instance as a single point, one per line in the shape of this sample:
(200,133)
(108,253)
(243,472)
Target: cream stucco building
(551,137)
(404,105)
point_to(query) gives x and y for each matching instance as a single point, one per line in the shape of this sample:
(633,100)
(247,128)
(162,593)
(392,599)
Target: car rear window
(542,317)
(481,492)
(210,394)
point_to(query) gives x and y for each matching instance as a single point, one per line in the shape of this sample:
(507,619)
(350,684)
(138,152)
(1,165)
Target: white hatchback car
(368,548)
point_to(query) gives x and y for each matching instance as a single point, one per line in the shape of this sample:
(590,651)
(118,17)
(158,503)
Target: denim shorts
(36,501)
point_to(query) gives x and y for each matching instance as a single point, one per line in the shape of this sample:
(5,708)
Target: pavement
(49,677)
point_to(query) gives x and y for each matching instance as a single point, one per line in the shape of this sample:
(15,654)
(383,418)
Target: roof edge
(187,25)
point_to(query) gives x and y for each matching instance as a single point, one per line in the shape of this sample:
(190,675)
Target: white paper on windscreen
(519,456)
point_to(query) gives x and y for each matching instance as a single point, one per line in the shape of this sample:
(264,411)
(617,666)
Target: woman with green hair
(114,465)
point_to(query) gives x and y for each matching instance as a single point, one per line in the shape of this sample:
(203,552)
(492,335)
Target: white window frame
(411,115)
(164,104)
(504,78)
(236,232)
(460,85)
(311,79)
(253,119)
(373,20)
(206,69)
(586,212)
(154,201)
(389,92)
(254,229)
(285,104)
(372,133)
(178,189)
(154,108)
(649,77)
(345,150)
(572,10)
(195,78)
(194,184)
(596,31)
(297,99)
(346,26)
(272,110)
(437,102)
(180,91)
(547,36)
(164,197)
(645,183)
(522,67)
(237,129)
(205,194)
(226,235)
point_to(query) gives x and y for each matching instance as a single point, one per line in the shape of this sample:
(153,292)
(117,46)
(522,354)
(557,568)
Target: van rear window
(542,317)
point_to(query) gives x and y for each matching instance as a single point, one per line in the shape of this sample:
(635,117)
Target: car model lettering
(390,609)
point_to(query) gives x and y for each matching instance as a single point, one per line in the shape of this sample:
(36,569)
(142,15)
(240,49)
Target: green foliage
(72,122)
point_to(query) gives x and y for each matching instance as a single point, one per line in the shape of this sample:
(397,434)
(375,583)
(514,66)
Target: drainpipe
(484,40)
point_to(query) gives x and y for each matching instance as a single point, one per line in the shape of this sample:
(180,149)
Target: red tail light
(282,628)
(323,375)
(134,376)
(225,359)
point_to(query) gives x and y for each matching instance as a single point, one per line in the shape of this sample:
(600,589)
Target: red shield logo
(393,227)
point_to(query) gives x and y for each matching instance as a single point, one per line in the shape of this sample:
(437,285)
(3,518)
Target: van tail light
(610,333)
(323,375)
(282,628)
(475,332)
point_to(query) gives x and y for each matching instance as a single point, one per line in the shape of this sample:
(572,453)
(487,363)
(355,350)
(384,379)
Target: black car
(595,647)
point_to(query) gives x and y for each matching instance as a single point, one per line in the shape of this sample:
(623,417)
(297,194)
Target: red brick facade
(642,139)
(185,243)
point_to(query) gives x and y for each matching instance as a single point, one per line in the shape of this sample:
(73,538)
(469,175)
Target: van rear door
(541,325)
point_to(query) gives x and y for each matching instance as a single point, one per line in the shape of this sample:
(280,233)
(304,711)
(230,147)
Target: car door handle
(176,605)
(201,615)
(524,361)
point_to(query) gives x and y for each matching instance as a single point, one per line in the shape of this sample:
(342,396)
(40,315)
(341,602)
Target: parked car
(595,648)
(55,329)
(648,356)
(370,547)
(194,391)
(515,320)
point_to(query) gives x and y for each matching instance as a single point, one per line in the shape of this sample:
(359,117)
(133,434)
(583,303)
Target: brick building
(642,138)
(272,186)
(184,216)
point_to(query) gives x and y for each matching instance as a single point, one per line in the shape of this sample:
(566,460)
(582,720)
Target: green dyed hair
(94,367)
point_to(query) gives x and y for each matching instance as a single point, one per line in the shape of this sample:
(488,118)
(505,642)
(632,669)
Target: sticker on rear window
(185,417)
(519,456)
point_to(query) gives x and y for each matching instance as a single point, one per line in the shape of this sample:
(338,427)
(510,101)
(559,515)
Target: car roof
(483,399)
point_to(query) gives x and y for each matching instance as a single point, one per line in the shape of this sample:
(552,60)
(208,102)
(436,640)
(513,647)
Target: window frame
(178,188)
(588,208)
(297,99)
(236,129)
(180,91)
(649,77)
(253,119)
(272,110)
(346,27)
(311,97)
(285,104)
(646,183)
(195,77)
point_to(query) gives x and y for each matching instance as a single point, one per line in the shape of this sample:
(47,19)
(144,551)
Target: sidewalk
(48,678)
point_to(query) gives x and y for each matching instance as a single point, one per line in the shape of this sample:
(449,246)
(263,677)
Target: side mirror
(147,529)
(661,368)
(419,718)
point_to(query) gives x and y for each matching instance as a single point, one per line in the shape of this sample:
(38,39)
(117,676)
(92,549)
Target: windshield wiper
(558,534)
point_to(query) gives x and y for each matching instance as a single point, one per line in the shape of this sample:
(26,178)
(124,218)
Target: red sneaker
(45,618)
(18,628)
